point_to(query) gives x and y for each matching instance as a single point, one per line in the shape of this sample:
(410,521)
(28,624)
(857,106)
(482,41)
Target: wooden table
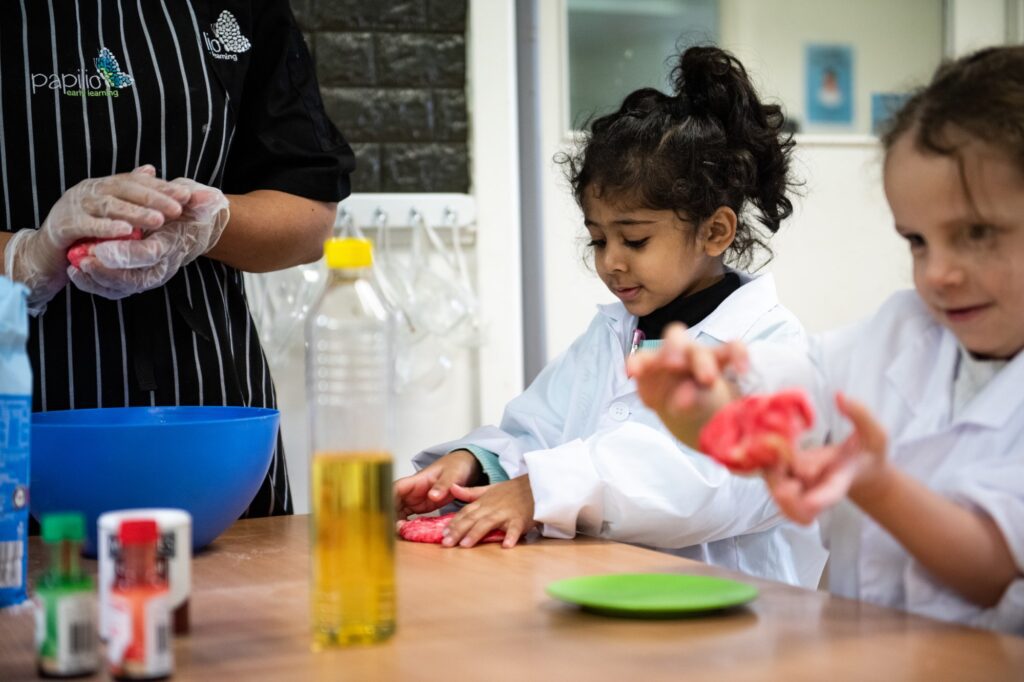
(482,614)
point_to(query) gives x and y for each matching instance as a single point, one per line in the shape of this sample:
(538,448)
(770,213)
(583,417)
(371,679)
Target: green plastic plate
(652,595)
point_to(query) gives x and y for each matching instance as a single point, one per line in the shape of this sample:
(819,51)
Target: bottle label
(158,635)
(66,633)
(118,628)
(138,628)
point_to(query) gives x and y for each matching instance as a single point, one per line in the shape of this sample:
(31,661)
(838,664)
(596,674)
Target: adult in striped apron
(223,93)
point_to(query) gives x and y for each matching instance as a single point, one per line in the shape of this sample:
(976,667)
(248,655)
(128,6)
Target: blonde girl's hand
(430,488)
(685,382)
(817,479)
(506,506)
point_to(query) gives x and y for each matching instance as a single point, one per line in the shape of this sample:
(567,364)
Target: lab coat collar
(923,374)
(615,312)
(732,319)
(1000,399)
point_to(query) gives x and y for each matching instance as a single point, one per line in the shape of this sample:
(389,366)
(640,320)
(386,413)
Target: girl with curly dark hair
(672,187)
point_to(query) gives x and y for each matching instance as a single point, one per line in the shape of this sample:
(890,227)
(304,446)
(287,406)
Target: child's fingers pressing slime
(506,506)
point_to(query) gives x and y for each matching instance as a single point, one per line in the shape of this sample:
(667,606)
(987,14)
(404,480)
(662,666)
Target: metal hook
(380,221)
(345,224)
(450,219)
(418,223)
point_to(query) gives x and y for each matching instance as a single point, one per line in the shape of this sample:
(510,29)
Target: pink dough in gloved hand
(83,247)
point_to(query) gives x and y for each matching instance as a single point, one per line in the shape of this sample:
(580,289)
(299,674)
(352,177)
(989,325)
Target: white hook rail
(442,210)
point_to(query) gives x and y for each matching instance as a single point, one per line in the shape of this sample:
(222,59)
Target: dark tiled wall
(393,78)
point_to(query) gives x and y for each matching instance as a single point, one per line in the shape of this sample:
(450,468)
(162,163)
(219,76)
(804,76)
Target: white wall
(838,257)
(571,288)
(494,152)
(895,44)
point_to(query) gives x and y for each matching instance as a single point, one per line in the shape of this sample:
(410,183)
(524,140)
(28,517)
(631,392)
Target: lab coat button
(619,411)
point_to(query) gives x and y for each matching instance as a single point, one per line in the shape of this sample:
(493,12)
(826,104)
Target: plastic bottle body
(139,645)
(349,385)
(66,639)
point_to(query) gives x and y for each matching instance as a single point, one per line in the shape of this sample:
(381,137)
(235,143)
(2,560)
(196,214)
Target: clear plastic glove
(121,268)
(95,208)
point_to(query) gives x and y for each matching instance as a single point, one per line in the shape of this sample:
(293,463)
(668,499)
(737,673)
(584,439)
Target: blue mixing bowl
(209,461)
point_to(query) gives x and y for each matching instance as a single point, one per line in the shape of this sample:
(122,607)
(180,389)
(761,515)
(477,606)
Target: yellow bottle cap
(348,252)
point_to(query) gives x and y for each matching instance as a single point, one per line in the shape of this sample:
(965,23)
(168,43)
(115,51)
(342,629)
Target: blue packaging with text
(15,418)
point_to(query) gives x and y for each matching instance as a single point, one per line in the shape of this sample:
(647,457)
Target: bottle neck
(64,561)
(138,565)
(349,274)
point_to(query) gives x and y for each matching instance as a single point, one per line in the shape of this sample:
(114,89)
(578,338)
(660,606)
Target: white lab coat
(602,463)
(900,363)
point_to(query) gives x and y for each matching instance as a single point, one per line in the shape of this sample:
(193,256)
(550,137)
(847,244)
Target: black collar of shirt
(689,309)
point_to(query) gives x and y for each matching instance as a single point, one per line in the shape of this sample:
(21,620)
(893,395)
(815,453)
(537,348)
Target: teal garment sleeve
(489,463)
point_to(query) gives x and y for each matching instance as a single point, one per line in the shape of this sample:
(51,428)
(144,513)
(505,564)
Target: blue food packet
(15,418)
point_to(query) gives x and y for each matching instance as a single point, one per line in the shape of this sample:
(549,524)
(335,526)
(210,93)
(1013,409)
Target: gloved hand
(122,268)
(94,208)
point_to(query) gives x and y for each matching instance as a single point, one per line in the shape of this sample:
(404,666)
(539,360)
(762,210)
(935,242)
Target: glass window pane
(616,47)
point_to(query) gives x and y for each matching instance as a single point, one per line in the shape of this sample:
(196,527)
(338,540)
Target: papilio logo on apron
(106,81)
(227,41)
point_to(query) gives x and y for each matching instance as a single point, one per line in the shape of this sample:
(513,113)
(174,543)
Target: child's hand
(506,506)
(430,488)
(820,477)
(685,382)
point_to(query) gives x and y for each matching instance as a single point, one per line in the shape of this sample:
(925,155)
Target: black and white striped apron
(220,92)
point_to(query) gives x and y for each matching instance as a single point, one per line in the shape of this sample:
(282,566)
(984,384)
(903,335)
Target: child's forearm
(961,547)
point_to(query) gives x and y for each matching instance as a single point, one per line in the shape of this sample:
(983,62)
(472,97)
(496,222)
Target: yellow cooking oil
(353,537)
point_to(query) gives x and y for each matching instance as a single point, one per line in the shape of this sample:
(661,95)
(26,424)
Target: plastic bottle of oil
(349,364)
